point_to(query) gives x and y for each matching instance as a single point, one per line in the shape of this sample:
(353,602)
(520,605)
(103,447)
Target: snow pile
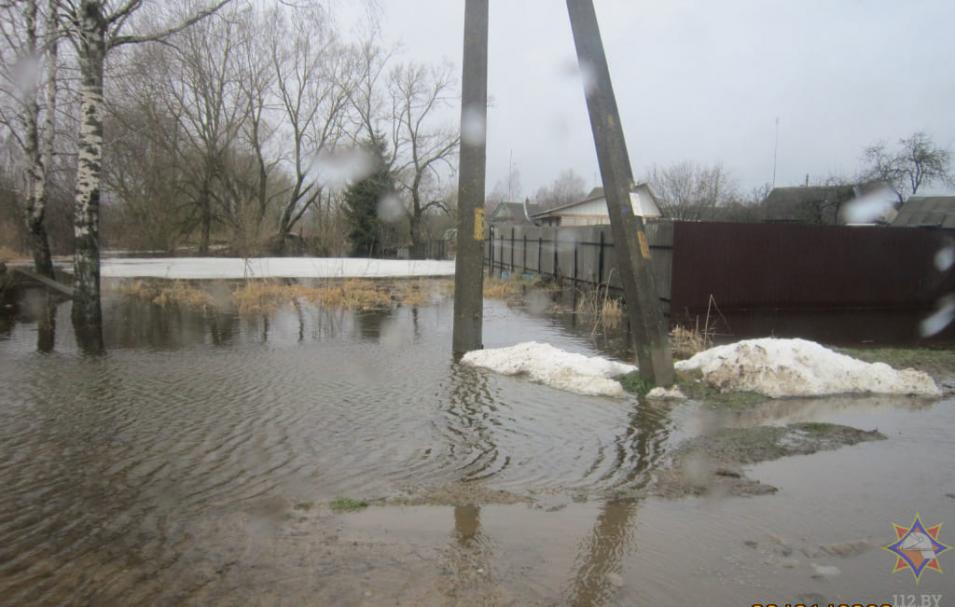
(208,268)
(796,367)
(659,393)
(588,375)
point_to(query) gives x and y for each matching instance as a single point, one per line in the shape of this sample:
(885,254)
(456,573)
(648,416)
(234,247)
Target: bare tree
(567,188)
(691,192)
(314,81)
(197,82)
(421,149)
(95,28)
(371,120)
(917,161)
(28,63)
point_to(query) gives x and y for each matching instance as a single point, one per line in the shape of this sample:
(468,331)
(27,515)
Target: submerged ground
(216,458)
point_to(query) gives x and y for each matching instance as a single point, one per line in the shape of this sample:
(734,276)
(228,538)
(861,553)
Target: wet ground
(196,461)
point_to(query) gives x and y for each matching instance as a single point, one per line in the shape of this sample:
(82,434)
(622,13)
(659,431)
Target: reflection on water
(600,557)
(191,410)
(189,463)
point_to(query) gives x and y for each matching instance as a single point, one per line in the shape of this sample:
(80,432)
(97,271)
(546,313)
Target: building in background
(927,211)
(827,205)
(592,210)
(512,213)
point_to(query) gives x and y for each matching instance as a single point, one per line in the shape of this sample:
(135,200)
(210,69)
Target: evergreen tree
(362,200)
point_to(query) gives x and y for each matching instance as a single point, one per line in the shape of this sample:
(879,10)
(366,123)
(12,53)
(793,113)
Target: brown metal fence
(745,266)
(792,266)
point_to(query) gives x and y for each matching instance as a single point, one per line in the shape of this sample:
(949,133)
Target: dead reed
(178,293)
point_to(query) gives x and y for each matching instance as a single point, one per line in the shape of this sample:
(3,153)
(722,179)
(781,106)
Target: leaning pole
(629,232)
(469,260)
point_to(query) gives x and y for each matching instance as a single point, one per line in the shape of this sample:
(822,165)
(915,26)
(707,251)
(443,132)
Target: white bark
(92,50)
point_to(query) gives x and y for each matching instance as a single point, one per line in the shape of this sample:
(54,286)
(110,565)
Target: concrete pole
(629,232)
(469,262)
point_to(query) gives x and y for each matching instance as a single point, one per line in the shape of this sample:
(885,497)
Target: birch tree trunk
(37,157)
(86,267)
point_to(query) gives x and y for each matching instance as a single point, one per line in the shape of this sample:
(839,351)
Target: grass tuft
(685,342)
(347,504)
(6,254)
(179,293)
(507,289)
(633,383)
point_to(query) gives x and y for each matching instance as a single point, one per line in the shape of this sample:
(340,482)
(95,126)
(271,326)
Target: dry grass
(6,253)
(352,295)
(507,289)
(257,297)
(414,293)
(179,293)
(685,342)
(264,297)
(603,310)
(611,313)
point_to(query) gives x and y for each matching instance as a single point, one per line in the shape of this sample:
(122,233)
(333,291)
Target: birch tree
(28,64)
(96,28)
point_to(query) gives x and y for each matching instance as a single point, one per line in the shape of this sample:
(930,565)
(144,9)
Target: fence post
(513,266)
(600,259)
(540,251)
(554,243)
(502,253)
(575,262)
(525,252)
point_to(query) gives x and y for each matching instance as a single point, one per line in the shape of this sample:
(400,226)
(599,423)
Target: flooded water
(195,461)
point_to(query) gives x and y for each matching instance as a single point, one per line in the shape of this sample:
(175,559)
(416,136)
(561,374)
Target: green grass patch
(633,383)
(937,362)
(347,504)
(696,389)
(766,443)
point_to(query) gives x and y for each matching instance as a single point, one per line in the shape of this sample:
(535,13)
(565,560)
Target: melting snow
(659,393)
(588,375)
(796,367)
(208,268)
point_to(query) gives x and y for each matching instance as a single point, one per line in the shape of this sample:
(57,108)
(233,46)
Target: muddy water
(194,464)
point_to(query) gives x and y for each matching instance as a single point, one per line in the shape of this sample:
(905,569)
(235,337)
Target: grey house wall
(583,255)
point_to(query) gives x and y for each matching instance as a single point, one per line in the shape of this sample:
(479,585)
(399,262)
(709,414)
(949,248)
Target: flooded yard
(314,455)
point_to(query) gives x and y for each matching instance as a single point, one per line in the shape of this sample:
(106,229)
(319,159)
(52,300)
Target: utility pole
(469,261)
(629,232)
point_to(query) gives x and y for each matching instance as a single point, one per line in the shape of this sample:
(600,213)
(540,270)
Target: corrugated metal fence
(745,266)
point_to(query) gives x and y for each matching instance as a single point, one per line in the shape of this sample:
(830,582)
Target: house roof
(800,203)
(596,194)
(934,211)
(512,212)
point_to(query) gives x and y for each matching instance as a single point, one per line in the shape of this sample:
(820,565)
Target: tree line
(242,128)
(690,191)
(205,123)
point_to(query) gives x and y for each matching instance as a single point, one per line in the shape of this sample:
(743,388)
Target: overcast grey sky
(705,81)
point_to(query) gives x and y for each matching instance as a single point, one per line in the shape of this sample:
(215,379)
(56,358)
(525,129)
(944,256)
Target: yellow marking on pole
(644,245)
(480,227)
